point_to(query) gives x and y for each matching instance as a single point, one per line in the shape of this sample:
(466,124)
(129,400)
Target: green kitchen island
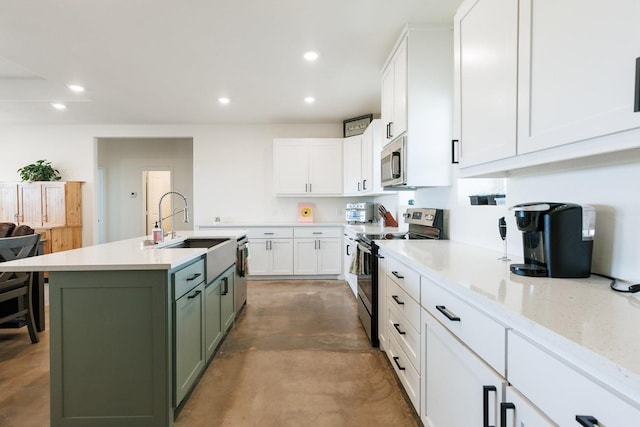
(132,326)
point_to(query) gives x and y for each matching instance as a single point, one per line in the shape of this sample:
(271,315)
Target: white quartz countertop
(128,254)
(215,225)
(582,320)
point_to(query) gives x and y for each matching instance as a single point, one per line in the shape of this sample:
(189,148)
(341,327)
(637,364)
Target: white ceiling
(168,61)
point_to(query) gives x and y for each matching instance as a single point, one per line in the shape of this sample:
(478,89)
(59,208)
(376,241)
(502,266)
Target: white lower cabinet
(516,410)
(270,251)
(409,377)
(459,389)
(562,392)
(317,250)
(382,302)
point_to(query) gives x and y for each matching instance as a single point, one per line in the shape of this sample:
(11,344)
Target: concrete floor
(297,356)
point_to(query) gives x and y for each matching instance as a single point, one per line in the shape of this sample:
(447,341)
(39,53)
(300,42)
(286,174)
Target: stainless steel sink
(221,253)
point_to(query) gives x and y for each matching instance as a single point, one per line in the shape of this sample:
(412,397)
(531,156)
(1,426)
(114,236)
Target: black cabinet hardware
(455,157)
(395,359)
(485,404)
(397,326)
(193,277)
(636,104)
(449,315)
(587,420)
(504,407)
(225,285)
(195,294)
(398,275)
(395,298)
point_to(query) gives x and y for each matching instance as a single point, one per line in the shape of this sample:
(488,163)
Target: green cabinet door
(213,319)
(189,338)
(227,303)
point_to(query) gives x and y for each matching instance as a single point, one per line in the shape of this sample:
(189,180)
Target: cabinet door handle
(587,420)
(225,285)
(319,244)
(449,315)
(348,246)
(390,130)
(358,185)
(364,185)
(397,326)
(395,359)
(398,275)
(270,245)
(455,159)
(195,294)
(193,277)
(485,404)
(395,298)
(504,407)
(636,104)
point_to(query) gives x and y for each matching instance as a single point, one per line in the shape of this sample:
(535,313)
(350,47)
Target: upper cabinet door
(8,202)
(30,204)
(486,49)
(325,166)
(577,71)
(290,166)
(400,77)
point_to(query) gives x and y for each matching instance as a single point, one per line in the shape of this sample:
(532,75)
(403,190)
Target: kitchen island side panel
(110,348)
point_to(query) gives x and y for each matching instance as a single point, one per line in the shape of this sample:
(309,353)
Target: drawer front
(401,301)
(185,279)
(407,337)
(270,233)
(317,232)
(561,391)
(485,336)
(409,377)
(408,279)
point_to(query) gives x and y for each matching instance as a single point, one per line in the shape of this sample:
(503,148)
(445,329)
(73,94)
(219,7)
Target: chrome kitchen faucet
(185,210)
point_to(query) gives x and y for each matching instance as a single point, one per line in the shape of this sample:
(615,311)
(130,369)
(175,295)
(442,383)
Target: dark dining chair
(17,285)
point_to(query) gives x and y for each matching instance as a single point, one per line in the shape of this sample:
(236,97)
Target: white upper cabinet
(307,166)
(417,101)
(362,162)
(486,55)
(577,72)
(539,81)
(394,94)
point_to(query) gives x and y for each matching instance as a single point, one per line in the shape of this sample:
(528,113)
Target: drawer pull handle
(397,326)
(268,234)
(504,407)
(587,420)
(449,315)
(395,359)
(317,232)
(195,294)
(193,277)
(399,276)
(395,298)
(485,404)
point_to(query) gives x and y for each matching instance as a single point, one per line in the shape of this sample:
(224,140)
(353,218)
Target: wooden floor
(297,356)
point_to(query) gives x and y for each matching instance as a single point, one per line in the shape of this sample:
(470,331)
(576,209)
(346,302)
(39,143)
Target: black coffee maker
(557,239)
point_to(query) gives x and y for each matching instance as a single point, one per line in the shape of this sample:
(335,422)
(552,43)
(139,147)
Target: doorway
(155,184)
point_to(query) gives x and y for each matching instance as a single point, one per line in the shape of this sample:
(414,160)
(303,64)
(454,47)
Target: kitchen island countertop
(130,254)
(582,320)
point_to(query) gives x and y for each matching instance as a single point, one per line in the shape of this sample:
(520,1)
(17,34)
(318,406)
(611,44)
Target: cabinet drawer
(270,233)
(408,279)
(188,277)
(482,334)
(317,232)
(407,337)
(399,299)
(409,377)
(561,391)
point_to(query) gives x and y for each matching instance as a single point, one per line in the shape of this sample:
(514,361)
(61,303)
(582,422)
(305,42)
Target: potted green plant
(39,171)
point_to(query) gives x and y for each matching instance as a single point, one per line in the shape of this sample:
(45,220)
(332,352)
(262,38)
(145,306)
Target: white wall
(123,161)
(609,183)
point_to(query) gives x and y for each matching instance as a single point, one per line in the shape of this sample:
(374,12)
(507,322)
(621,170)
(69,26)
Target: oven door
(393,163)
(368,291)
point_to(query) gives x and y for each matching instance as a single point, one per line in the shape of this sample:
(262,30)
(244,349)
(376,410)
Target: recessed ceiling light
(309,100)
(76,88)
(311,56)
(224,100)
(58,106)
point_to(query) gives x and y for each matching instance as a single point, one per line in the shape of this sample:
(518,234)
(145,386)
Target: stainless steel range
(424,223)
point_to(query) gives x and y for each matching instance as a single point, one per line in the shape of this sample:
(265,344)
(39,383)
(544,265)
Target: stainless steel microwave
(393,163)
